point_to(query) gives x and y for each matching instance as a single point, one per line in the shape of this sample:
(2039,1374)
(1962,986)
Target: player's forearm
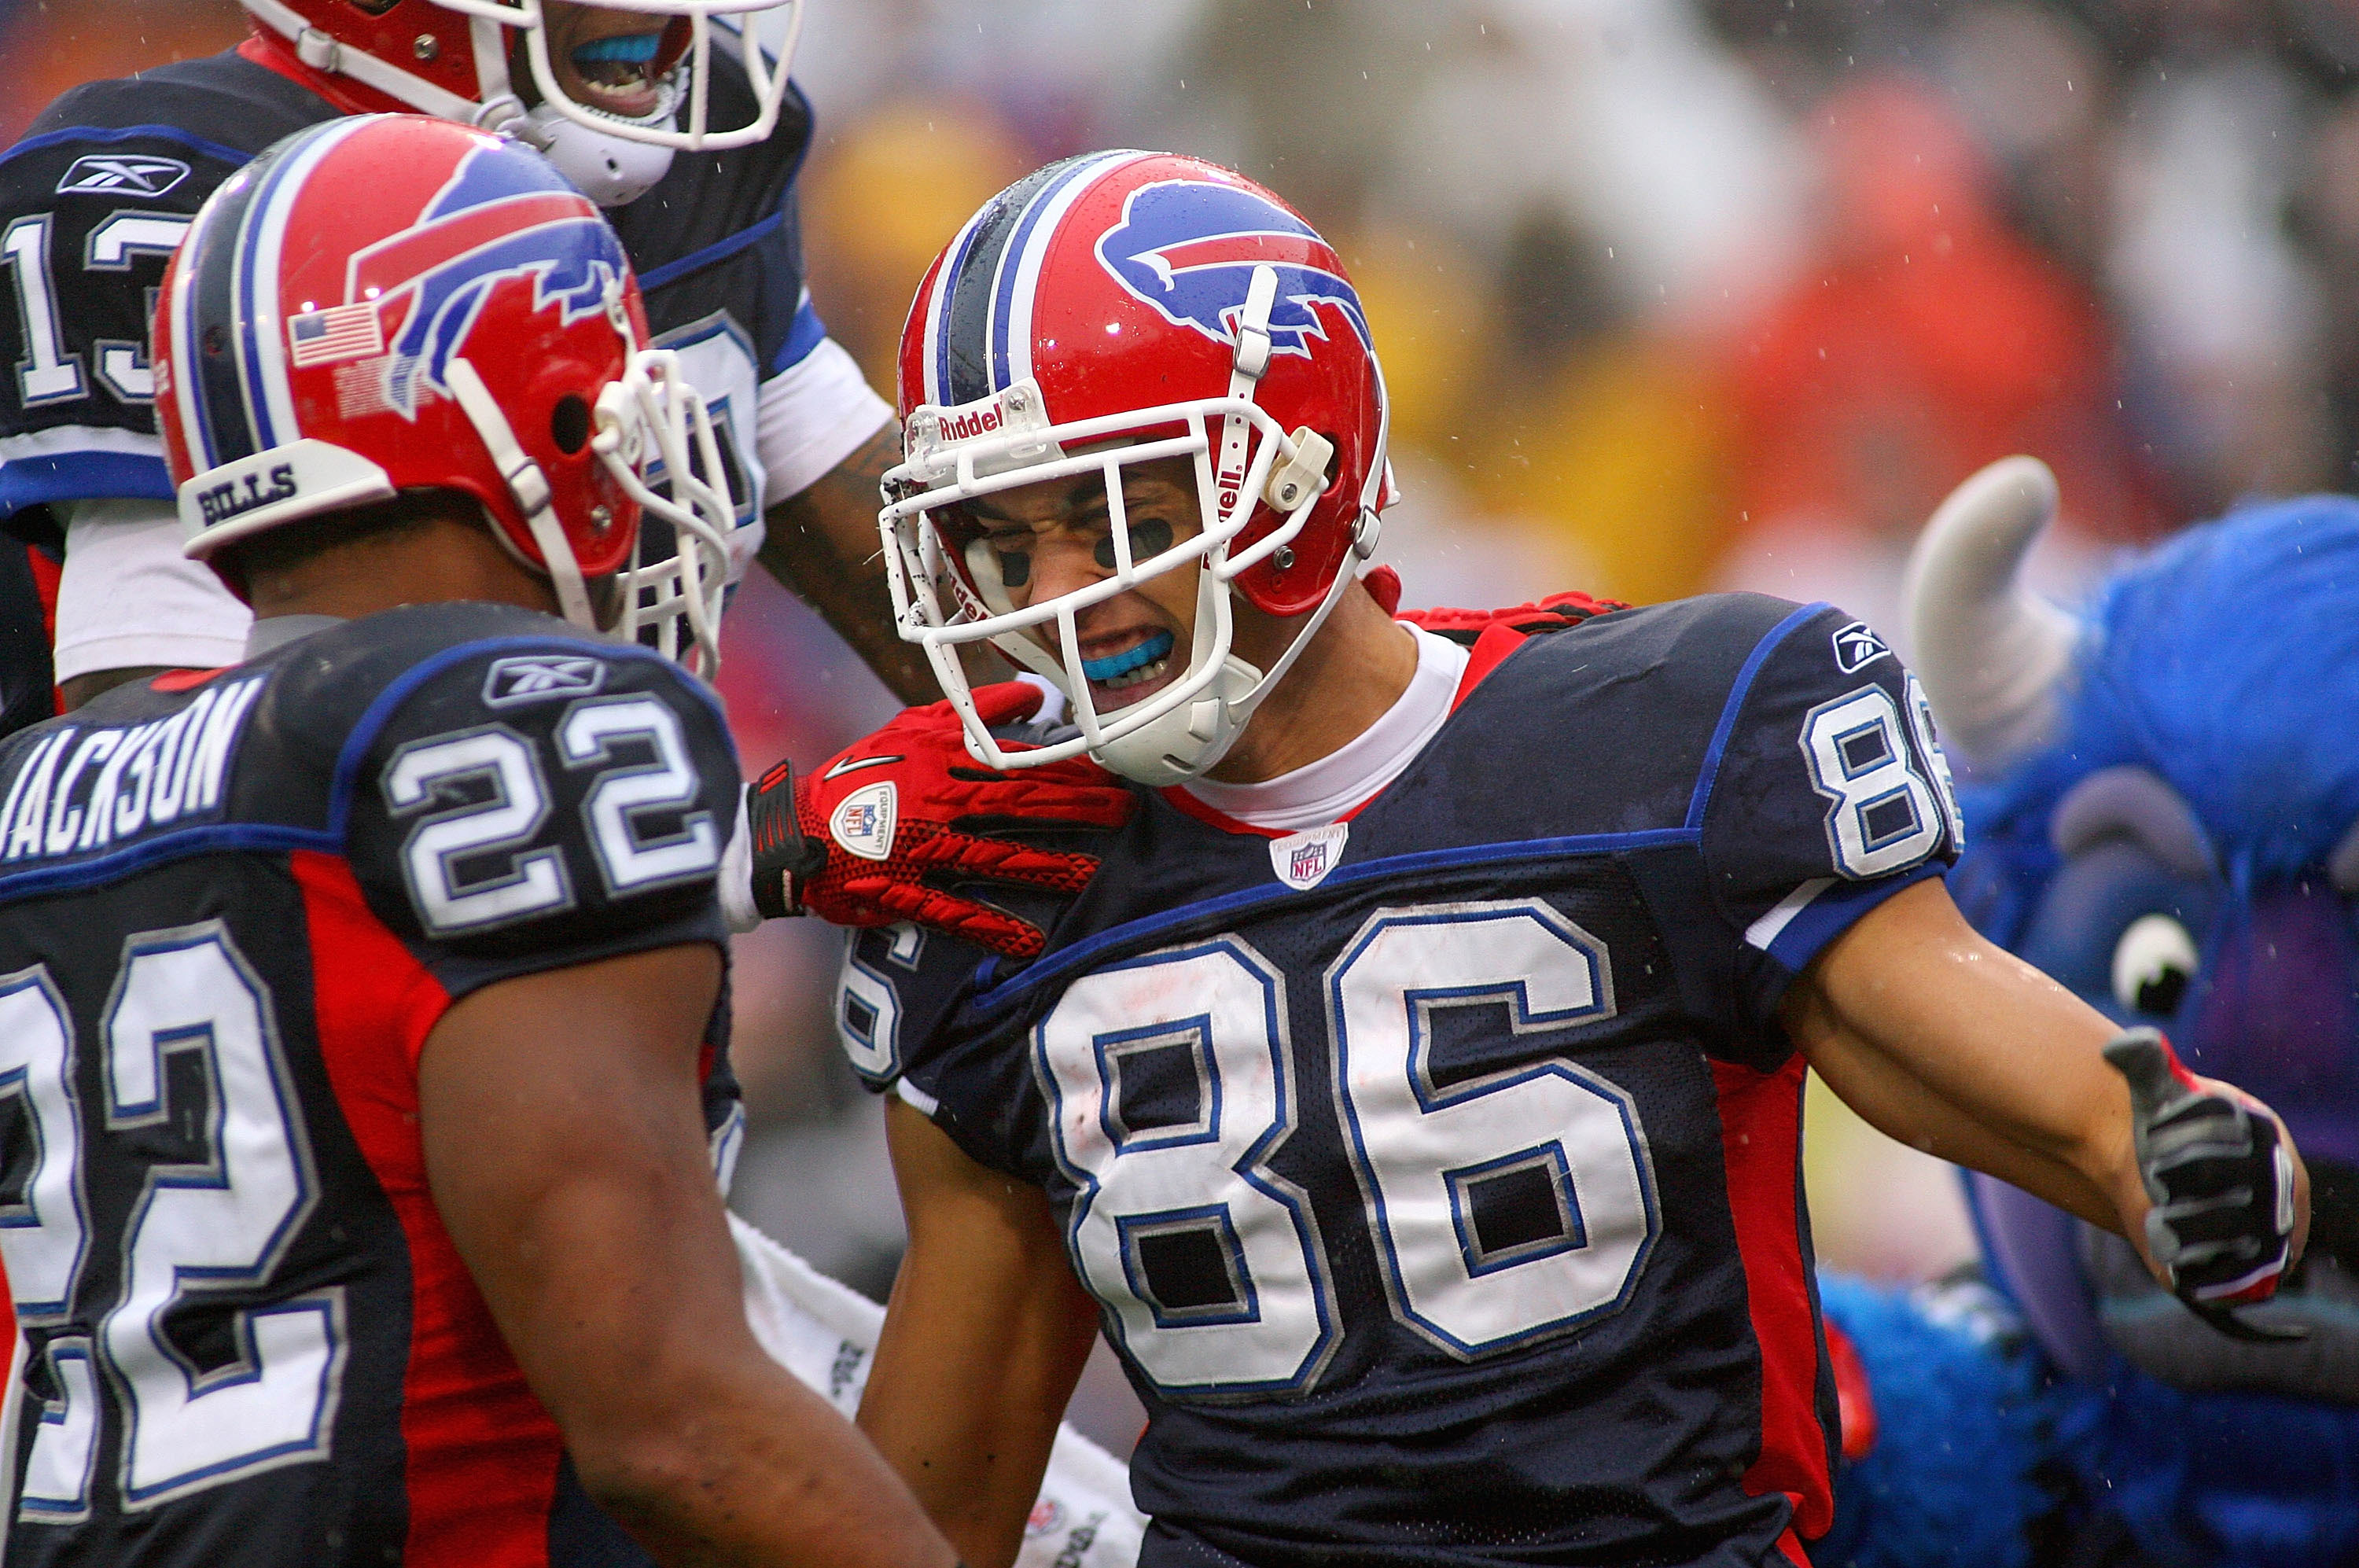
(976,1485)
(749,1468)
(1948,1042)
(982,1341)
(1902,1109)
(967,1388)
(823,544)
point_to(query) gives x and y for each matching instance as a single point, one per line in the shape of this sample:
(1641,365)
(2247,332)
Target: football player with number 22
(363,1001)
(1413,1093)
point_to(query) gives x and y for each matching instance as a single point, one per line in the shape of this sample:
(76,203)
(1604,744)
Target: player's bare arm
(986,1336)
(1952,1044)
(822,544)
(567,1156)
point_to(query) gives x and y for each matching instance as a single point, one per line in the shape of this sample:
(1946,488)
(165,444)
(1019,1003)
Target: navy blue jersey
(95,196)
(231,909)
(27,683)
(1437,1172)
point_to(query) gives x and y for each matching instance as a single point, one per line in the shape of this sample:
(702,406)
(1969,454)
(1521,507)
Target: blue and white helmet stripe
(207,386)
(1014,294)
(938,315)
(233,404)
(979,316)
(262,343)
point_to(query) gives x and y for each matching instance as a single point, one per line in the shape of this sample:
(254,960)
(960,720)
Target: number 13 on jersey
(1506,1206)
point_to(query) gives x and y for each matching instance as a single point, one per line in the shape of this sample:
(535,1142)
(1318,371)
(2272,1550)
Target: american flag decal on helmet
(341,331)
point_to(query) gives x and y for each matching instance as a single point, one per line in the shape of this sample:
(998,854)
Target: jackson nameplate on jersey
(1437,1172)
(233,904)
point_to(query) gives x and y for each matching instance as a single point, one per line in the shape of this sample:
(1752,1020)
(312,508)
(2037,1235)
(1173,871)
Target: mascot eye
(2153,963)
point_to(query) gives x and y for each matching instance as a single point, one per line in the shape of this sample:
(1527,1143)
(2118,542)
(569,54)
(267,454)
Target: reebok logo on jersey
(864,822)
(536,677)
(1857,647)
(121,174)
(1302,860)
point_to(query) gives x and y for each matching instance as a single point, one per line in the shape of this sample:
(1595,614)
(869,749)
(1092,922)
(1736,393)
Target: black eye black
(1152,536)
(1015,566)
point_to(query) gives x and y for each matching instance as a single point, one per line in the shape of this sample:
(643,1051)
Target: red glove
(858,843)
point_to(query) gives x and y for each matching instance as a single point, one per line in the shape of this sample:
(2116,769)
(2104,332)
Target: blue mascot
(2166,819)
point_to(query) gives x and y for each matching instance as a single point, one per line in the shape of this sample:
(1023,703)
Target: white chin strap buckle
(1302,475)
(318,50)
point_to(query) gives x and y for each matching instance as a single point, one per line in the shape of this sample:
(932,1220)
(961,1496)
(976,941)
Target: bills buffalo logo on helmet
(1188,249)
(485,227)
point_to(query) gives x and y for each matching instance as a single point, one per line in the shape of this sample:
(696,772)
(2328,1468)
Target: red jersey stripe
(1761,1144)
(481,1451)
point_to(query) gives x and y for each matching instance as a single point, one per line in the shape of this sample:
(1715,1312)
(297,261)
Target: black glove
(2222,1181)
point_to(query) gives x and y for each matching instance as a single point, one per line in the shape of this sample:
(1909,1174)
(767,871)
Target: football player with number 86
(1413,1093)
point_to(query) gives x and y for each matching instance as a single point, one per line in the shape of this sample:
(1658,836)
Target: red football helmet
(389,302)
(452,59)
(1124,307)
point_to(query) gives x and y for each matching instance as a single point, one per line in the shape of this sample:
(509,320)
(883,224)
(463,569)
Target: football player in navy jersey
(365,1057)
(1413,1096)
(661,111)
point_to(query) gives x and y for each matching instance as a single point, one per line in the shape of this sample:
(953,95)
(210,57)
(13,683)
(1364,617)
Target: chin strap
(528,486)
(1364,531)
(1252,358)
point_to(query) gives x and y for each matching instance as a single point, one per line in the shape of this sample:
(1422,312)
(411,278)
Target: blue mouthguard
(633,49)
(1130,658)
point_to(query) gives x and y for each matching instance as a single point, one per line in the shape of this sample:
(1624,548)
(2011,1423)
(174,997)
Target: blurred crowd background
(1672,295)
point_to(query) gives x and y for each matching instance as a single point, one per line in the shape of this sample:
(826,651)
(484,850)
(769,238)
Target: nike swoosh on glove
(2221,1177)
(870,839)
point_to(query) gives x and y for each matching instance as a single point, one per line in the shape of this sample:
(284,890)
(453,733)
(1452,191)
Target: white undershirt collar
(1319,792)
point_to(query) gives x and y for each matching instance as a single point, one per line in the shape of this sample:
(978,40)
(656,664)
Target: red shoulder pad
(1489,636)
(1552,613)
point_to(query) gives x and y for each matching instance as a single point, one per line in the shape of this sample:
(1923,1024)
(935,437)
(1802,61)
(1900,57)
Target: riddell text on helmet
(967,426)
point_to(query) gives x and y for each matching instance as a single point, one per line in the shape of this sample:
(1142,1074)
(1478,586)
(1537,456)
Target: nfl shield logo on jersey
(1302,860)
(864,822)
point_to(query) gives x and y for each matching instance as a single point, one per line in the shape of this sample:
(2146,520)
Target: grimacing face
(607,58)
(1055,538)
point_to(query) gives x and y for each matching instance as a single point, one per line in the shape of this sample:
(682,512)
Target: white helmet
(450,58)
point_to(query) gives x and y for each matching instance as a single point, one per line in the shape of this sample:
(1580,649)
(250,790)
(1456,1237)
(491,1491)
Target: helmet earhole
(568,423)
